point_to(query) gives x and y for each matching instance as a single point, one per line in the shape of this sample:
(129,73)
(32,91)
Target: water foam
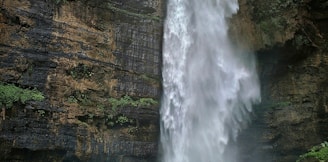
(209,87)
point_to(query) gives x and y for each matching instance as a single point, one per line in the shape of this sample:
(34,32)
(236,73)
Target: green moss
(114,118)
(128,101)
(118,120)
(122,120)
(9,94)
(319,152)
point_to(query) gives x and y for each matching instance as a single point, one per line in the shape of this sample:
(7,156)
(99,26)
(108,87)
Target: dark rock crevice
(290,42)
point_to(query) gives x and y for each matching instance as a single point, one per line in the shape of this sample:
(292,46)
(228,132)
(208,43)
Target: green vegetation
(319,152)
(81,71)
(90,116)
(101,107)
(110,121)
(80,98)
(108,110)
(41,112)
(30,70)
(9,94)
(72,99)
(115,118)
(128,101)
(133,130)
(122,120)
(84,99)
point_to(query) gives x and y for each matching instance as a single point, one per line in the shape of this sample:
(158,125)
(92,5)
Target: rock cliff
(97,64)
(290,40)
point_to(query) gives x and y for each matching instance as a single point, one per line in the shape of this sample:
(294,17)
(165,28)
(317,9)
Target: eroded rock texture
(81,53)
(290,39)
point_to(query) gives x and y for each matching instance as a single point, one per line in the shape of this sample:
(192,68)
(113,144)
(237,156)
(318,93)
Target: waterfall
(209,86)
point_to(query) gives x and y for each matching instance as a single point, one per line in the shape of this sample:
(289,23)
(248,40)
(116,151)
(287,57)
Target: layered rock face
(98,65)
(290,40)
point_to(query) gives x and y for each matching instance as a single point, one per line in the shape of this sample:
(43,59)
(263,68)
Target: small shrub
(111,123)
(72,99)
(80,98)
(91,116)
(10,94)
(128,101)
(319,152)
(133,130)
(122,120)
(109,120)
(147,102)
(101,106)
(81,71)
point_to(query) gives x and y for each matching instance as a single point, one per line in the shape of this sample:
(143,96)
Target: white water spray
(209,87)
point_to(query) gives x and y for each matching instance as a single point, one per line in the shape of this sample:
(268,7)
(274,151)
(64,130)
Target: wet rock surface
(290,41)
(80,54)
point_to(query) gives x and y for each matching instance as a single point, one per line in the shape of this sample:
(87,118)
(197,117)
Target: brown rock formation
(81,53)
(290,39)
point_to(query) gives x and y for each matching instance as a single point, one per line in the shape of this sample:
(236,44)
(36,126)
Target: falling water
(209,86)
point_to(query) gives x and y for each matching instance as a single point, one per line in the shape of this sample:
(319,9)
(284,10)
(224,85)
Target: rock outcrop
(98,65)
(290,40)
(83,55)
